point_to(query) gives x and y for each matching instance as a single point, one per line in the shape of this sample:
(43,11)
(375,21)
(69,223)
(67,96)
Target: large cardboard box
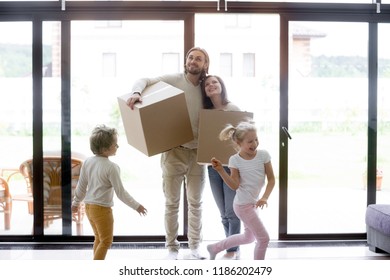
(211,122)
(161,122)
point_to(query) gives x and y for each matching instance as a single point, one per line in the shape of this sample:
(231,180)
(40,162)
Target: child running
(250,169)
(99,179)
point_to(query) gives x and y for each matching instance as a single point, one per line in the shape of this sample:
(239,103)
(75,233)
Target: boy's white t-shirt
(252,176)
(99,180)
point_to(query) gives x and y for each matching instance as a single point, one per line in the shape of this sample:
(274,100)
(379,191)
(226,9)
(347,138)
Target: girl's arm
(269,172)
(233,181)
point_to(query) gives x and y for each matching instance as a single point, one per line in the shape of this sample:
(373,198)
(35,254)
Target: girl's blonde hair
(237,133)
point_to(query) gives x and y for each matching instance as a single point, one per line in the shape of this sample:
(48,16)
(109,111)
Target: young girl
(249,168)
(99,179)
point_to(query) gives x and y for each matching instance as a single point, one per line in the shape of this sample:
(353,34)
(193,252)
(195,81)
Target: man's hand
(135,97)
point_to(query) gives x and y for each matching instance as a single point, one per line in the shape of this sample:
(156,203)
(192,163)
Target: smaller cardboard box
(161,122)
(211,123)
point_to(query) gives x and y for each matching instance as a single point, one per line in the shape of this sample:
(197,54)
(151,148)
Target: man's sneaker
(172,255)
(194,255)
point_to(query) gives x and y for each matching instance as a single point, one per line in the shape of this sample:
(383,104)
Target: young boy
(99,179)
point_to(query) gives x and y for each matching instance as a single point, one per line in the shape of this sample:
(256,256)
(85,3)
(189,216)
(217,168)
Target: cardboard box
(161,122)
(211,122)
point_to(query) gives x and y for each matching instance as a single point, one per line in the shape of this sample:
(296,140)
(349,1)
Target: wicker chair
(52,208)
(5,203)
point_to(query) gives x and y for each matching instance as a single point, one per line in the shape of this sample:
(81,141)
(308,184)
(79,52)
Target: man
(179,163)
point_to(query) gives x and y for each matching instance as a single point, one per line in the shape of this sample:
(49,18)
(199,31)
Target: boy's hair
(101,139)
(237,134)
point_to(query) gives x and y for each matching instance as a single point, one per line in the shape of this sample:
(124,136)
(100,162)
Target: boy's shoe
(172,255)
(194,255)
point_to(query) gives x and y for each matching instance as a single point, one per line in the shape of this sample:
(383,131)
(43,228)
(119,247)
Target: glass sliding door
(106,59)
(244,52)
(383,148)
(51,118)
(327,119)
(16,115)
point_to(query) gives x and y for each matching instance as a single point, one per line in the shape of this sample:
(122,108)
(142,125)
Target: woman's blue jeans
(224,196)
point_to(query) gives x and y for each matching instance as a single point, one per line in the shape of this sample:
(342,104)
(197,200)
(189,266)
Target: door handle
(287,133)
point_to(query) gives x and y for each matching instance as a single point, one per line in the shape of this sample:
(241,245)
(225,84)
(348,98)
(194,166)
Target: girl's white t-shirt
(252,176)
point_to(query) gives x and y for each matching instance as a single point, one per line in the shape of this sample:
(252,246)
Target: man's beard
(193,71)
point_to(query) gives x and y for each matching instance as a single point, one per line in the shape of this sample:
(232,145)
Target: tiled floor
(346,250)
(284,260)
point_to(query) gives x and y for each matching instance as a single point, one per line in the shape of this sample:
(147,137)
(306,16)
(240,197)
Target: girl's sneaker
(231,256)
